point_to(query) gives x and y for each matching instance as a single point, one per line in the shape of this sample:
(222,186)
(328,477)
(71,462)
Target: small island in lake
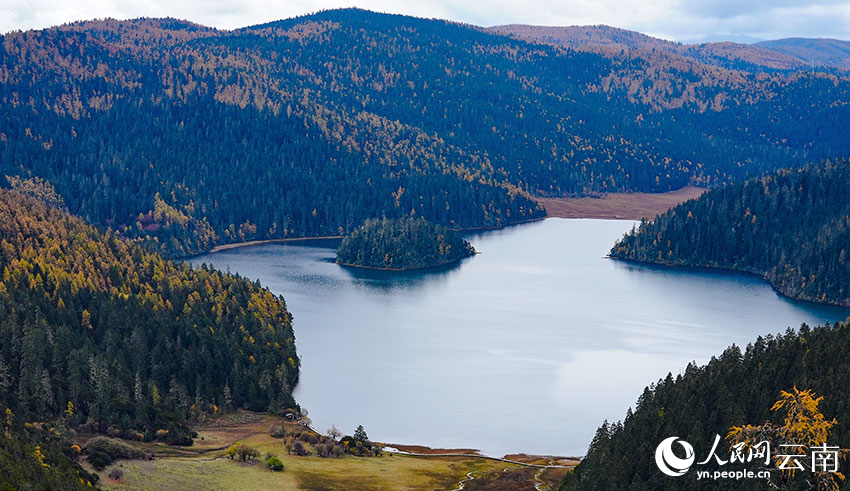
(402,244)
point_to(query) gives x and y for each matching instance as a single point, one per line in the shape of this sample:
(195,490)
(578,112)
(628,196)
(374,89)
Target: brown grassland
(622,206)
(205,466)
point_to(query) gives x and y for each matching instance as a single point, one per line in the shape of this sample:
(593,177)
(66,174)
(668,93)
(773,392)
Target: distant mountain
(612,40)
(814,52)
(189,136)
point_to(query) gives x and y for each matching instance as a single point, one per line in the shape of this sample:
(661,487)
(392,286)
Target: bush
(310,437)
(274,463)
(299,448)
(99,459)
(116,474)
(277,431)
(244,452)
(102,451)
(323,449)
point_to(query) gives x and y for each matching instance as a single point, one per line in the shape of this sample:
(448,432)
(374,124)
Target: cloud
(672,19)
(831,20)
(730,9)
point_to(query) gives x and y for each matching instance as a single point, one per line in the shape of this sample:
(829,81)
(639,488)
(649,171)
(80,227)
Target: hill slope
(107,337)
(737,388)
(612,40)
(308,126)
(791,227)
(815,52)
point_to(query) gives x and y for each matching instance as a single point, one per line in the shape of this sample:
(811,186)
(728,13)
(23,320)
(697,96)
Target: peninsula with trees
(790,227)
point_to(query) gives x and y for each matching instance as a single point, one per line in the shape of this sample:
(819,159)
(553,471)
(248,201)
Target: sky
(679,20)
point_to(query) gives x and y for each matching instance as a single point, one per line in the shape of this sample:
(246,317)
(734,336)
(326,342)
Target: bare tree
(333,433)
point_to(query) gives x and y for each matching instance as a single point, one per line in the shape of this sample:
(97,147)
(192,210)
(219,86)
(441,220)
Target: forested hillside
(194,136)
(791,227)
(737,388)
(108,338)
(402,244)
(816,52)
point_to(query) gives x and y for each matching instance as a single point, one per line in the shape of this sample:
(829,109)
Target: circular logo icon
(668,462)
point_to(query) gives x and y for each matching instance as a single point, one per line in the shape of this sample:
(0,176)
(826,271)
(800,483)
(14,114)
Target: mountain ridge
(779,54)
(309,126)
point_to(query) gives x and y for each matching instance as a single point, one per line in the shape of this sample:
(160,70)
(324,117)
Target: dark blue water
(525,347)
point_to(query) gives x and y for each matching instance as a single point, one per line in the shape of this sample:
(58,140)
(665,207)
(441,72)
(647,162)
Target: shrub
(274,463)
(277,431)
(310,437)
(322,449)
(246,452)
(116,449)
(299,448)
(99,459)
(116,474)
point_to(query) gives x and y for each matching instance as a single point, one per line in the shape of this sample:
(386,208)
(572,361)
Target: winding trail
(462,483)
(539,485)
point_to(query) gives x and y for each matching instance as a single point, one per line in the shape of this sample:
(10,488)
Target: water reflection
(387,281)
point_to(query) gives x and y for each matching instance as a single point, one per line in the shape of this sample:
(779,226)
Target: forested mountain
(613,41)
(402,244)
(737,388)
(194,136)
(108,338)
(815,52)
(791,227)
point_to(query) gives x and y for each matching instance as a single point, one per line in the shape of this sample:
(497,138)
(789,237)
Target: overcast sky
(681,20)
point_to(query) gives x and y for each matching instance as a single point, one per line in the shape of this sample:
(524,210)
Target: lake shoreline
(249,243)
(406,270)
(609,206)
(721,269)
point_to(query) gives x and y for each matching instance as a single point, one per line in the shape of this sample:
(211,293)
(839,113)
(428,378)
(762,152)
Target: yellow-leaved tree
(799,444)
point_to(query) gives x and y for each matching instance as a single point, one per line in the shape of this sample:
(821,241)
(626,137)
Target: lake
(526,347)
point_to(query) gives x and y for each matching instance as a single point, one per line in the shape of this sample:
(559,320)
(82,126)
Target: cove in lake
(526,347)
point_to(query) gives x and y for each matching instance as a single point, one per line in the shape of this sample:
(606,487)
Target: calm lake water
(526,347)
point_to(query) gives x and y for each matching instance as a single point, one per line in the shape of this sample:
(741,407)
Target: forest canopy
(114,339)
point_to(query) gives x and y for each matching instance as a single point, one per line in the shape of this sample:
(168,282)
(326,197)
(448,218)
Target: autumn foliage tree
(804,428)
